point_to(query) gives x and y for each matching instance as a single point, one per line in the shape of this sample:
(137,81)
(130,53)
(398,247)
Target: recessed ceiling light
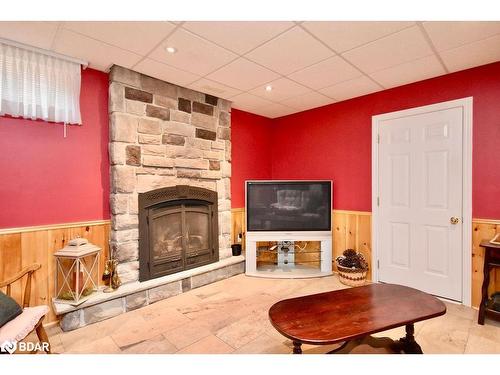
(171,49)
(269,88)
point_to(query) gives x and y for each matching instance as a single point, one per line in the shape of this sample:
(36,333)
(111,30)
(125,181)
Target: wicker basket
(352,276)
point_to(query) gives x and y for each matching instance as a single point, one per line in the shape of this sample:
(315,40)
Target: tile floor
(230,316)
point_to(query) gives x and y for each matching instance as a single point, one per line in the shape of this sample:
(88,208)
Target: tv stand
(293,270)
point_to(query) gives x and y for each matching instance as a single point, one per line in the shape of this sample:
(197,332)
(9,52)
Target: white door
(420,201)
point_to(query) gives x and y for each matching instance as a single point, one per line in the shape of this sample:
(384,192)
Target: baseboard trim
(54,226)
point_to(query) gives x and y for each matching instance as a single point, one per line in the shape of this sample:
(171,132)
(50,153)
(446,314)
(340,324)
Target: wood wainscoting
(352,229)
(482,229)
(20,247)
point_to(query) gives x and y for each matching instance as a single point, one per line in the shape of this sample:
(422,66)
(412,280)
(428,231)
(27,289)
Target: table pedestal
(405,345)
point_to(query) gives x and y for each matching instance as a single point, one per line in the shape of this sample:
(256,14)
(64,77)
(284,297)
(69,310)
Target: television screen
(289,205)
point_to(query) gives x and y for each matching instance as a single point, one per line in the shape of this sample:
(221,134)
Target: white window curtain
(38,86)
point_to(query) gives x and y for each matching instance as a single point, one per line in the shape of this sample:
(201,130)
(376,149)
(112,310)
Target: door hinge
(378,264)
(149,268)
(378,138)
(378,201)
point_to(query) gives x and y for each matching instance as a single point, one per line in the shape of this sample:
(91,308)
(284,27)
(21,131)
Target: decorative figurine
(111,273)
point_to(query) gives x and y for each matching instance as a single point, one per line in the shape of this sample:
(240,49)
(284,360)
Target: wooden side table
(491,260)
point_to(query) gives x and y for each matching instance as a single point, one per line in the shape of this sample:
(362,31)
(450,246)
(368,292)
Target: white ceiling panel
(326,73)
(137,37)
(282,89)
(298,59)
(344,35)
(164,72)
(239,37)
(214,88)
(392,50)
(246,101)
(194,54)
(311,99)
(467,56)
(412,71)
(350,89)
(290,51)
(243,75)
(448,35)
(99,55)
(36,34)
(275,110)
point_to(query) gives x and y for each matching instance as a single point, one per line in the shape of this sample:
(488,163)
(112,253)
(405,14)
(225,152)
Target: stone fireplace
(177,230)
(170,156)
(164,139)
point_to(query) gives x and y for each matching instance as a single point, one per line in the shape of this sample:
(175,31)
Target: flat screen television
(288,206)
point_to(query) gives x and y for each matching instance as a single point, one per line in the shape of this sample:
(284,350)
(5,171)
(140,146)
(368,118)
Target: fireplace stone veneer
(161,136)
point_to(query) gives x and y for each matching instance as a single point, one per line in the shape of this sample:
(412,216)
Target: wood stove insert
(178,230)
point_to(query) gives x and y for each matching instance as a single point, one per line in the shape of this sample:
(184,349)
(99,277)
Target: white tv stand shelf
(295,271)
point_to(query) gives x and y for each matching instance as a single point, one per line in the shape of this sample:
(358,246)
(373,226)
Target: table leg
(484,289)
(297,347)
(408,344)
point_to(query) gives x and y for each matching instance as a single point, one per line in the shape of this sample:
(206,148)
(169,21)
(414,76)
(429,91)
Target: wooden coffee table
(352,315)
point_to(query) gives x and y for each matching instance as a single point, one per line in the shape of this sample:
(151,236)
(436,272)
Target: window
(35,85)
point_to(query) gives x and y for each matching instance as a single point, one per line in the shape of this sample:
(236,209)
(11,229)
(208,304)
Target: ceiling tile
(194,54)
(248,102)
(413,71)
(239,37)
(392,50)
(164,72)
(350,89)
(243,75)
(282,89)
(474,54)
(214,88)
(290,51)
(275,110)
(448,35)
(326,73)
(307,101)
(36,34)
(137,37)
(344,35)
(99,55)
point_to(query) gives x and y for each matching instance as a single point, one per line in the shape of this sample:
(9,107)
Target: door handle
(454,220)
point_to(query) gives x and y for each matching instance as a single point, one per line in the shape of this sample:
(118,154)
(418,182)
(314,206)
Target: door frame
(466,105)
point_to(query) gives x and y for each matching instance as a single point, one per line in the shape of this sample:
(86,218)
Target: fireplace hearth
(178,230)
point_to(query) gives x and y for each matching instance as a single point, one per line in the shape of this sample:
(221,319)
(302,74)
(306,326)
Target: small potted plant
(352,267)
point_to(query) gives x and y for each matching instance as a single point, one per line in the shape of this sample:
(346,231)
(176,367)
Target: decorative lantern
(77,271)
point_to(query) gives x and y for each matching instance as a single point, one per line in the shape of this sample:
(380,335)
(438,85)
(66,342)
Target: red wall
(48,179)
(251,148)
(334,142)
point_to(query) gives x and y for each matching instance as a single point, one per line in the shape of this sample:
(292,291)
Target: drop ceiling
(307,64)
